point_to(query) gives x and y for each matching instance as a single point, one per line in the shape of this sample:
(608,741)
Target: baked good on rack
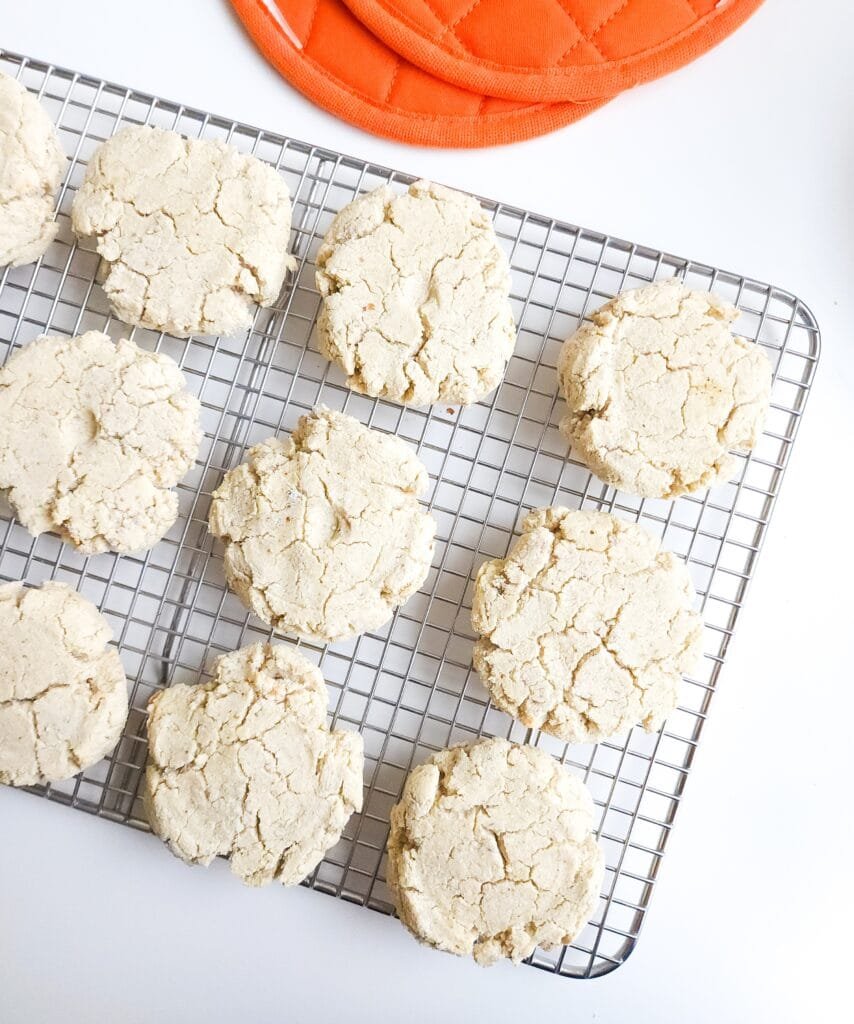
(63,692)
(491,852)
(324,535)
(659,390)
(586,627)
(245,767)
(191,232)
(92,437)
(416,292)
(31,167)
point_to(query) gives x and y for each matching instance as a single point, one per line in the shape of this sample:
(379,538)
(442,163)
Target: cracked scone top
(246,767)
(659,390)
(416,296)
(31,167)
(586,627)
(63,692)
(491,853)
(191,232)
(324,535)
(92,437)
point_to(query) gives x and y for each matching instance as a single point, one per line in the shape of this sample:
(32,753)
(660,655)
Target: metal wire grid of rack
(409,688)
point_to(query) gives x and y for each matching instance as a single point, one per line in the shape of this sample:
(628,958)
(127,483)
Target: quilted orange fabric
(326,53)
(551,50)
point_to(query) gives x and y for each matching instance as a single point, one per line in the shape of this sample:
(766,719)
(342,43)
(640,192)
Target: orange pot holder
(331,57)
(551,50)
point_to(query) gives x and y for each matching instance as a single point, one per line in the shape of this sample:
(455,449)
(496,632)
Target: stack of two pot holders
(479,72)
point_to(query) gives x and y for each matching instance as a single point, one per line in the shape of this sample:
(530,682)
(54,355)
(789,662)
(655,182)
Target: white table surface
(743,160)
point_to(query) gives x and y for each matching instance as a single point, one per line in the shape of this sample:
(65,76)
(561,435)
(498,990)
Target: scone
(191,232)
(63,692)
(324,535)
(31,167)
(659,390)
(586,628)
(491,852)
(245,767)
(416,296)
(92,437)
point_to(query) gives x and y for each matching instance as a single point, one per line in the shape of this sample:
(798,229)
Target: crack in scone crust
(324,535)
(586,628)
(416,296)
(245,767)
(491,852)
(31,167)
(659,390)
(191,232)
(63,692)
(92,437)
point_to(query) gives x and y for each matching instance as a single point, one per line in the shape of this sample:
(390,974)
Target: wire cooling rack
(408,688)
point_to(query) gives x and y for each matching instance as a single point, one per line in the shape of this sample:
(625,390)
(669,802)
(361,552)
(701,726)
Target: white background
(744,160)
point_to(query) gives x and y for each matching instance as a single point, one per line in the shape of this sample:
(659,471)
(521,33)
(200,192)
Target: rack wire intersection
(408,688)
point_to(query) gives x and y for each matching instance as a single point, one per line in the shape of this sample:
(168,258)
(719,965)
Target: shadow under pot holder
(551,50)
(326,53)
